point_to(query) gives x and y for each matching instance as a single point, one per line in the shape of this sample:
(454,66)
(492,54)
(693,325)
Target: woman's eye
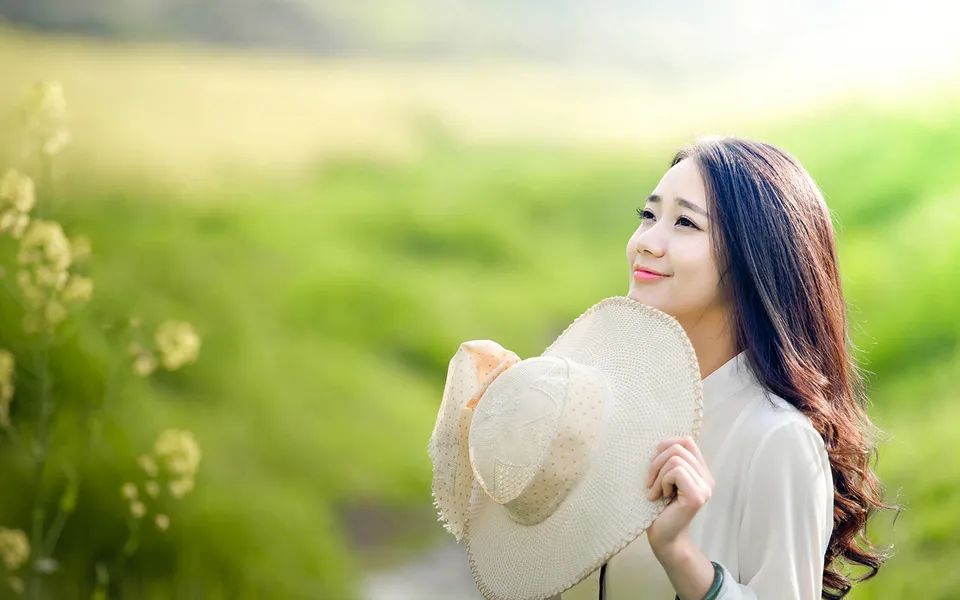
(642,213)
(646,214)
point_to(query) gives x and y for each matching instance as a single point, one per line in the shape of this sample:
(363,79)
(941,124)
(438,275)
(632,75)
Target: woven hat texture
(539,464)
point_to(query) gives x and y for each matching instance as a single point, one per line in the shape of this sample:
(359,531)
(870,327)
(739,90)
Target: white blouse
(770,516)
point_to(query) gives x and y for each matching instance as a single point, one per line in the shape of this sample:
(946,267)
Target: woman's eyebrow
(681,202)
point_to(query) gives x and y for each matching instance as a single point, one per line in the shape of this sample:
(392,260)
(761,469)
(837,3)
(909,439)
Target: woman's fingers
(656,465)
(688,443)
(660,485)
(687,449)
(686,480)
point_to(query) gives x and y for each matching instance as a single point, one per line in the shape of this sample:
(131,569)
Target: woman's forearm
(689,569)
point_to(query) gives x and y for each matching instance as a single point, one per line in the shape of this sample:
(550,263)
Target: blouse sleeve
(787,519)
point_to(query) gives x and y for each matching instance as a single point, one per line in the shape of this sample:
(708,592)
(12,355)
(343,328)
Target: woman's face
(673,238)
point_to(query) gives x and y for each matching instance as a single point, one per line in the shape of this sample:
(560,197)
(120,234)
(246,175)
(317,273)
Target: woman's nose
(651,241)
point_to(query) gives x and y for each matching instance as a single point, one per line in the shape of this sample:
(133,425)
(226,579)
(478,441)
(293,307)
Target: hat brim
(471,369)
(656,393)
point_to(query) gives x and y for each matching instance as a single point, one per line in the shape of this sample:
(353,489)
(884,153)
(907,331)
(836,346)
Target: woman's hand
(679,471)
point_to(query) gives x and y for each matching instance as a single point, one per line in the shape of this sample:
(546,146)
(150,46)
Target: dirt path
(439,574)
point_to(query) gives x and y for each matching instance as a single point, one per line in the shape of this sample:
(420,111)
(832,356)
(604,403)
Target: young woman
(736,242)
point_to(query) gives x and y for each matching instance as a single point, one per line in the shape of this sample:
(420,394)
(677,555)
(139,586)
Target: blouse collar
(731,377)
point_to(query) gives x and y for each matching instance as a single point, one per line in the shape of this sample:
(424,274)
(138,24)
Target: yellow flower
(129,491)
(178,451)
(56,312)
(178,344)
(138,509)
(145,364)
(46,101)
(79,288)
(45,281)
(162,521)
(49,278)
(44,258)
(14,223)
(56,142)
(14,548)
(148,465)
(17,191)
(180,487)
(153,488)
(7,369)
(45,244)
(44,114)
(32,294)
(16,201)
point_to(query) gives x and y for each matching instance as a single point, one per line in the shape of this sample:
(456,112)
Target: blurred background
(242,239)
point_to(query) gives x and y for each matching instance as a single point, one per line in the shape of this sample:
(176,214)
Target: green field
(334,235)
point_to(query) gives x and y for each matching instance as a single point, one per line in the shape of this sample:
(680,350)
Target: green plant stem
(129,548)
(56,528)
(112,571)
(12,293)
(53,535)
(64,509)
(45,410)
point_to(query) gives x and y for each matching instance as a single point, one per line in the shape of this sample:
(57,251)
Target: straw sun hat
(539,464)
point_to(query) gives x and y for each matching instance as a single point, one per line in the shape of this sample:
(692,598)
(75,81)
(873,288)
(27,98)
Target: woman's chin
(639,296)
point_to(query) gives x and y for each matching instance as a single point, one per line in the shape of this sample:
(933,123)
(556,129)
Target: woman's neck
(712,340)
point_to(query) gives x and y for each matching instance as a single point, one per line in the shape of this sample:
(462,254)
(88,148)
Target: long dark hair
(774,241)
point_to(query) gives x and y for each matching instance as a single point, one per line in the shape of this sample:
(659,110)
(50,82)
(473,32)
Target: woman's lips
(640,275)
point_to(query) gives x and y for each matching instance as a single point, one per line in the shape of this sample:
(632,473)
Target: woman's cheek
(632,247)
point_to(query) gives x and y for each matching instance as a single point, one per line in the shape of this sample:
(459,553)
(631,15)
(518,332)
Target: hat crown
(532,433)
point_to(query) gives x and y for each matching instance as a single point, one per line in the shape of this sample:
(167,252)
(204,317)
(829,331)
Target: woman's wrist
(714,591)
(689,570)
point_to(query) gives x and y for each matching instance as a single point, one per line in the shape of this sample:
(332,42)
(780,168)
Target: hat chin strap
(531,490)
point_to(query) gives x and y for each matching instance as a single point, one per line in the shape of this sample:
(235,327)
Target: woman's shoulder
(769,415)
